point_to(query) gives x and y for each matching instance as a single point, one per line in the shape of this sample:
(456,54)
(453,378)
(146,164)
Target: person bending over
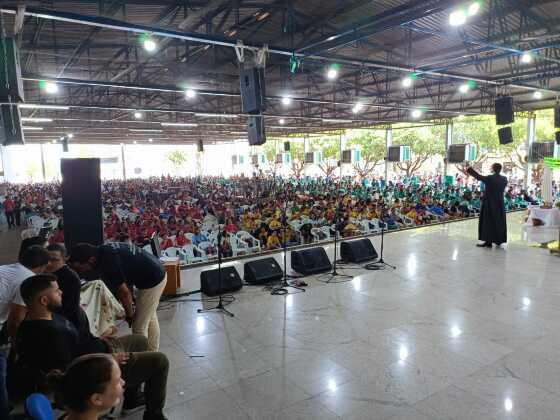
(47,341)
(90,387)
(119,264)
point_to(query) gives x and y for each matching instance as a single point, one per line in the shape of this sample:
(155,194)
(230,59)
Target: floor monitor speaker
(505,135)
(11,83)
(310,261)
(262,271)
(253,96)
(211,285)
(504,110)
(255,130)
(357,251)
(82,212)
(11,131)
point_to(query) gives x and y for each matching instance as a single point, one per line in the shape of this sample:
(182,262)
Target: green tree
(424,142)
(372,149)
(329,146)
(177,158)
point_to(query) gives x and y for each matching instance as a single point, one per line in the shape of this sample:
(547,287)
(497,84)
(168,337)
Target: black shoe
(484,245)
(133,404)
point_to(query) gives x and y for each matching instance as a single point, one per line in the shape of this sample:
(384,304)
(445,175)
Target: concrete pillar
(123,162)
(448,142)
(306,148)
(531,133)
(43,171)
(388,142)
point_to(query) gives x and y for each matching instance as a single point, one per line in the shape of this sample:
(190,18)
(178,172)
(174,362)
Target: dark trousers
(4,404)
(144,367)
(11,219)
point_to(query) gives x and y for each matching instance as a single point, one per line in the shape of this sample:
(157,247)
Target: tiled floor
(455,332)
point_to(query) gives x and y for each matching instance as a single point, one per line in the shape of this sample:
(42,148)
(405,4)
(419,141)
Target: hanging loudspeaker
(504,110)
(200,146)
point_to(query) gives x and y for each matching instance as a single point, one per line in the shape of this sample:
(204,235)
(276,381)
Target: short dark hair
(57,247)
(28,242)
(497,168)
(34,256)
(82,252)
(85,376)
(34,286)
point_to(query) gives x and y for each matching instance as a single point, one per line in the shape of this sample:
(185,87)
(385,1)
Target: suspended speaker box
(504,110)
(11,83)
(262,271)
(252,86)
(211,285)
(255,130)
(557,117)
(11,131)
(311,261)
(357,251)
(505,135)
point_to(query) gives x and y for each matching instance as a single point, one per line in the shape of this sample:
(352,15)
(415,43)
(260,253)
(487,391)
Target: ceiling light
(416,113)
(137,115)
(149,130)
(286,100)
(473,8)
(150,140)
(457,18)
(332,120)
(40,106)
(537,95)
(38,120)
(70,135)
(49,87)
(33,128)
(282,121)
(464,88)
(178,124)
(332,72)
(190,93)
(122,144)
(526,58)
(216,115)
(357,108)
(407,82)
(508,404)
(135,142)
(149,44)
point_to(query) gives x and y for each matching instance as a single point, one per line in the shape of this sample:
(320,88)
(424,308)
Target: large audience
(54,348)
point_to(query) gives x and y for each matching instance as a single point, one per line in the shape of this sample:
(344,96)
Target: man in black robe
(492,222)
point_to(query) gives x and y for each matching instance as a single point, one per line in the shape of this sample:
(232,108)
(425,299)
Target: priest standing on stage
(492,222)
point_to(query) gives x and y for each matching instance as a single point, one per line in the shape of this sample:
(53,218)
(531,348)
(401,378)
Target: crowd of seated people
(187,212)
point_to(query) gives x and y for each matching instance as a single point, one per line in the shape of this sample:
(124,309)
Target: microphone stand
(380,264)
(220,307)
(281,289)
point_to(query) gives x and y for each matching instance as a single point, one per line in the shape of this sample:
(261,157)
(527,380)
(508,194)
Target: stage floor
(455,332)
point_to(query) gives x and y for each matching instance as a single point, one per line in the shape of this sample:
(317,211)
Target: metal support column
(388,142)
(43,171)
(123,163)
(448,142)
(531,133)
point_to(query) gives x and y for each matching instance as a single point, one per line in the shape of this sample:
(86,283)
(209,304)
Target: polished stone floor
(455,332)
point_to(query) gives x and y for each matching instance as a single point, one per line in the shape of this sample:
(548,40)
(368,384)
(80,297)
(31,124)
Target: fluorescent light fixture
(416,113)
(282,121)
(216,115)
(149,44)
(407,82)
(190,93)
(50,87)
(332,120)
(33,128)
(357,108)
(473,9)
(40,106)
(137,115)
(457,18)
(464,88)
(537,95)
(37,120)
(526,58)
(178,124)
(149,130)
(286,100)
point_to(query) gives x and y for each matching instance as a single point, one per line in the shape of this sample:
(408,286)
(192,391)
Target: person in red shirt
(181,239)
(9,206)
(166,242)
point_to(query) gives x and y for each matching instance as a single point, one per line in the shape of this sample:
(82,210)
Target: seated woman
(181,239)
(90,387)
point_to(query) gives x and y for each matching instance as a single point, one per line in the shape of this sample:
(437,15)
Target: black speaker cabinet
(200,146)
(504,110)
(253,96)
(81,201)
(211,285)
(357,251)
(557,136)
(286,146)
(557,117)
(255,130)
(505,135)
(11,83)
(262,271)
(311,261)
(11,131)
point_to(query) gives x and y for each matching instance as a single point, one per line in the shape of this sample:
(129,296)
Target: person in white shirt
(33,260)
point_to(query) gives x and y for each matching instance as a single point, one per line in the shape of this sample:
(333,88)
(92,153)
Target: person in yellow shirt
(273,242)
(274,224)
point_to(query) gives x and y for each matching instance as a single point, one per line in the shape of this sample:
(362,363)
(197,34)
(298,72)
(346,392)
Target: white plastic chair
(253,244)
(171,252)
(187,254)
(237,247)
(148,248)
